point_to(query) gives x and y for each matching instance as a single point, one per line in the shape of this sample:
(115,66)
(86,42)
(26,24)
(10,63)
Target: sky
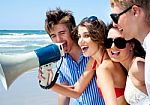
(30,14)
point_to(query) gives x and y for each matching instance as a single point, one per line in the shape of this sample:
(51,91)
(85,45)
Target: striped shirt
(71,71)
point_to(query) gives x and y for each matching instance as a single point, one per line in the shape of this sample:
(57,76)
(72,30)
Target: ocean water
(25,89)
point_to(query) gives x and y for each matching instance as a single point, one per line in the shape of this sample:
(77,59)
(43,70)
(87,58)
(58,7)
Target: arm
(106,84)
(63,100)
(76,90)
(137,71)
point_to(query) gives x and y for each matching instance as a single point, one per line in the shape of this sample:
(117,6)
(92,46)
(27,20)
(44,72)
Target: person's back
(59,25)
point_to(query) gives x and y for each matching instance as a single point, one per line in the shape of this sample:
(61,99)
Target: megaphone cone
(12,66)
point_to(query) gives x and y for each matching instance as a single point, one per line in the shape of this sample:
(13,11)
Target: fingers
(40,77)
(50,76)
(45,74)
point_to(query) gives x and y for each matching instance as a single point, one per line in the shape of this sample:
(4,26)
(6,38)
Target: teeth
(115,52)
(82,47)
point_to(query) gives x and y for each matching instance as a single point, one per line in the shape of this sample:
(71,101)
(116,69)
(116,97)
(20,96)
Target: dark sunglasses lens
(114,17)
(108,42)
(120,43)
(92,18)
(84,19)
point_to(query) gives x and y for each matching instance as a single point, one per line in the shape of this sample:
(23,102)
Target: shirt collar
(146,41)
(80,59)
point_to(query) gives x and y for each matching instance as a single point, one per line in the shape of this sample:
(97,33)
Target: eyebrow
(85,33)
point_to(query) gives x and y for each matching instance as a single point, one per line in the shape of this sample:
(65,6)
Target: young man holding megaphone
(59,25)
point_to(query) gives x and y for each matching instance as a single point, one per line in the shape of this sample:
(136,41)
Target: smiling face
(116,54)
(128,21)
(61,34)
(89,47)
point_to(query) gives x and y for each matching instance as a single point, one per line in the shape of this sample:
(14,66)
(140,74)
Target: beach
(25,90)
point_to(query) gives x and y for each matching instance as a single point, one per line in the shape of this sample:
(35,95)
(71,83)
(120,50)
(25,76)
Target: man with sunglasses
(133,17)
(59,25)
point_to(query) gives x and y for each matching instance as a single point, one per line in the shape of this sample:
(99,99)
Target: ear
(132,46)
(136,10)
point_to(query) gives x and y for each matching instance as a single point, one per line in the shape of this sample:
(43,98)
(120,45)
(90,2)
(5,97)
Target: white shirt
(146,45)
(133,95)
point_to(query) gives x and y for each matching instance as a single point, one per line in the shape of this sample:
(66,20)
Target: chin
(114,60)
(85,55)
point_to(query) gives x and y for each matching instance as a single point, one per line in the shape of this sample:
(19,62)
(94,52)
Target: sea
(25,90)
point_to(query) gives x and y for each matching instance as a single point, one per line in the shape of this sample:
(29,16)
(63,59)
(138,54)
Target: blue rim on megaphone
(11,66)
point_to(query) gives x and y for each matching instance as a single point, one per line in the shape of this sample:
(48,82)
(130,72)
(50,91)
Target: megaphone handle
(55,78)
(45,74)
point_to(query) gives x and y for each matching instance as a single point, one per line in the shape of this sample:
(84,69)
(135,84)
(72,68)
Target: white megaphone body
(11,66)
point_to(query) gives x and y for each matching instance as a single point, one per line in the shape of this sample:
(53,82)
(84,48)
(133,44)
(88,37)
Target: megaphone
(11,66)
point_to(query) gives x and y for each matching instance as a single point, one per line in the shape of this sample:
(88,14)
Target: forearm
(67,91)
(63,100)
(76,90)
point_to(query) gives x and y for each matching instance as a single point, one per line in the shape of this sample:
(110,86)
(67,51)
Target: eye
(52,36)
(62,32)
(86,35)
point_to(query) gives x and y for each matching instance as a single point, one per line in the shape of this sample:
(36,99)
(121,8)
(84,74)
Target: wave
(22,40)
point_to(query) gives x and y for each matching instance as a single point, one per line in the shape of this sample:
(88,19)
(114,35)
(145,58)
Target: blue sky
(30,14)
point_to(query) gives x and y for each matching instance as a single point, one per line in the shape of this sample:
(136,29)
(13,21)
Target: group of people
(103,64)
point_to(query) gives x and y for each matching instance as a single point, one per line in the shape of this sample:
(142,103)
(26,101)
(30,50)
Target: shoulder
(137,63)
(139,59)
(137,68)
(107,66)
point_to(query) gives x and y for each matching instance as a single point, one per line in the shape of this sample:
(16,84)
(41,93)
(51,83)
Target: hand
(40,77)
(45,75)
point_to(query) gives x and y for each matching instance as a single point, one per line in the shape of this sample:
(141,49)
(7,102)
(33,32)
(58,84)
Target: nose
(80,41)
(115,25)
(58,39)
(113,45)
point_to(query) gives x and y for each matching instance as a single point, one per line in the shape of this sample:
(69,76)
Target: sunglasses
(115,16)
(119,42)
(90,19)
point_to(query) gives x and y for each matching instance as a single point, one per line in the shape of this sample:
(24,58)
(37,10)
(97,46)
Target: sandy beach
(25,90)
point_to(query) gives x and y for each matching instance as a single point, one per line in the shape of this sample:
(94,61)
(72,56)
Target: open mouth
(115,53)
(64,45)
(84,48)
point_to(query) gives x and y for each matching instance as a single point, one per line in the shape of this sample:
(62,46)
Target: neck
(75,52)
(143,31)
(98,56)
(127,63)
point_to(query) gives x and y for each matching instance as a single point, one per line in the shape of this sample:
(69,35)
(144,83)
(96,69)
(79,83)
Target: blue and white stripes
(71,72)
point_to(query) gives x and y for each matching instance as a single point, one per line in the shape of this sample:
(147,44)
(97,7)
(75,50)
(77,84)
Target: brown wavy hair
(58,16)
(97,31)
